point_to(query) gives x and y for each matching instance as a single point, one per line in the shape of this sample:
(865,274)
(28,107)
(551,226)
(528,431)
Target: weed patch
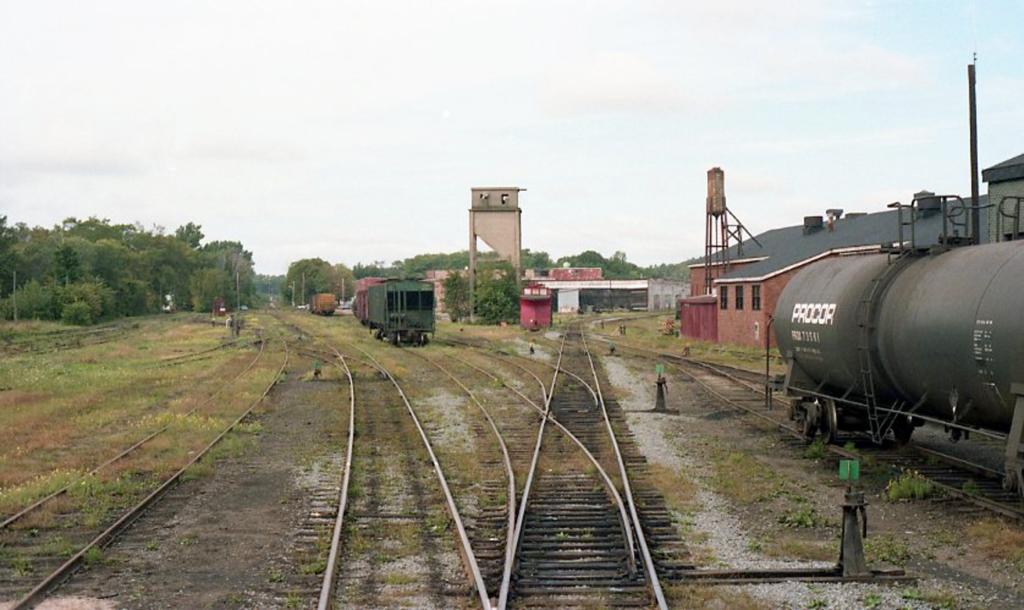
(803,517)
(886,548)
(999,540)
(816,450)
(909,485)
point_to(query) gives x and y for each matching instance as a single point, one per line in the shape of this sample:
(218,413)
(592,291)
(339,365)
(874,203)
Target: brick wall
(697,277)
(575,273)
(747,327)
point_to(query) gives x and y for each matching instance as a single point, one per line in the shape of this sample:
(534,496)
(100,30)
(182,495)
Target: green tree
(35,301)
(307,276)
(236,261)
(497,299)
(67,268)
(99,298)
(536,260)
(207,284)
(456,296)
(341,281)
(8,257)
(190,234)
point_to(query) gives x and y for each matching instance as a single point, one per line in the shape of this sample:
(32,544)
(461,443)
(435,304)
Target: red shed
(698,318)
(535,308)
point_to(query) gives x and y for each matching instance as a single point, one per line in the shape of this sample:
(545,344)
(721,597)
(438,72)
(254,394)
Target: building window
(755,297)
(723,294)
(739,297)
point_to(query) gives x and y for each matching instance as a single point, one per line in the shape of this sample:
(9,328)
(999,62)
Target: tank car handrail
(652,574)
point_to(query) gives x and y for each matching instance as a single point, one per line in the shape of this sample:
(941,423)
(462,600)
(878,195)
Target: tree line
(496,296)
(87,271)
(615,267)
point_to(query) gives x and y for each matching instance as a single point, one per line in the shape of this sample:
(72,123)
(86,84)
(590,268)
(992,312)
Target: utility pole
(14,295)
(238,295)
(975,210)
(303,289)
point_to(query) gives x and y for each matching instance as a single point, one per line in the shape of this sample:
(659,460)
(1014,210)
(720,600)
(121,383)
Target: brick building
(745,296)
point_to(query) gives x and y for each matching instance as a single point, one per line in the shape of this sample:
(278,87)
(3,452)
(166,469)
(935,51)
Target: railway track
(42,503)
(39,559)
(972,483)
(401,509)
(579,541)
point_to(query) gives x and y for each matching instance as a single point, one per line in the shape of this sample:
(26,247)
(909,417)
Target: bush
(78,313)
(96,295)
(909,485)
(35,301)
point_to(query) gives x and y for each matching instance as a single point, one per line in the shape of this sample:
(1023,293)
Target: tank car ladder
(866,318)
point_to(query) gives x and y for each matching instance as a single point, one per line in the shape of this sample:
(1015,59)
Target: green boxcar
(401,311)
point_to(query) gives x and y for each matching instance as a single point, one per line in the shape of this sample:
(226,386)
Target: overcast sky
(354,131)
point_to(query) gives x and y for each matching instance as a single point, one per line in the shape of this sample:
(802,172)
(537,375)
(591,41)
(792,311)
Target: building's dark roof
(1011,169)
(789,246)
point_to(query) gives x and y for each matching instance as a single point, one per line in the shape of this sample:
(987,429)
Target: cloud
(612,83)
(241,148)
(881,138)
(72,163)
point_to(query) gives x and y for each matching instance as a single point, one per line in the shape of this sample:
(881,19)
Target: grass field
(63,412)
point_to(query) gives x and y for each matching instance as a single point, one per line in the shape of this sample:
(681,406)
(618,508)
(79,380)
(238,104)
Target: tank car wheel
(829,421)
(902,430)
(812,420)
(1013,479)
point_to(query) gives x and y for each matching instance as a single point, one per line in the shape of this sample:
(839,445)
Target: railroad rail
(572,547)
(479,534)
(465,548)
(65,569)
(38,504)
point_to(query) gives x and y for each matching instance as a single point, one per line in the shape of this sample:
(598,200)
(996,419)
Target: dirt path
(248,532)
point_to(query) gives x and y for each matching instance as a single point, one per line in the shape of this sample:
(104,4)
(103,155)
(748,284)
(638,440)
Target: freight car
(401,311)
(359,302)
(886,342)
(323,304)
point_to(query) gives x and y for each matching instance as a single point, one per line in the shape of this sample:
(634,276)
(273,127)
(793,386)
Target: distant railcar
(323,304)
(401,311)
(220,307)
(359,302)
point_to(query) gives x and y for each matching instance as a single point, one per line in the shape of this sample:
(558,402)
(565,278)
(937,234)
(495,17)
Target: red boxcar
(359,302)
(698,318)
